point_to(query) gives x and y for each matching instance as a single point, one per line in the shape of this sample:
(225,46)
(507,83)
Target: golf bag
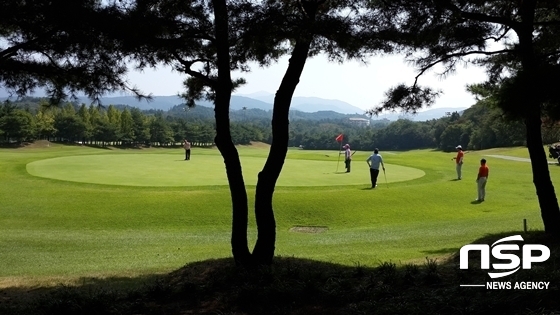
(554,152)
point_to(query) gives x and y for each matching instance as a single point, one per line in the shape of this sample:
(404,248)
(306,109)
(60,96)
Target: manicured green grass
(61,230)
(517,152)
(172,170)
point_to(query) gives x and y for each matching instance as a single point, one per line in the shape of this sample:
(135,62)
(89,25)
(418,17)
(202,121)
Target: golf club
(386,183)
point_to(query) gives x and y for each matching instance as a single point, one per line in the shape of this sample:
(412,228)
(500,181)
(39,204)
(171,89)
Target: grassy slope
(53,230)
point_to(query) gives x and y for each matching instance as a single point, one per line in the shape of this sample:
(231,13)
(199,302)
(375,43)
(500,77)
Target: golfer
(459,160)
(187,147)
(373,162)
(347,157)
(481,180)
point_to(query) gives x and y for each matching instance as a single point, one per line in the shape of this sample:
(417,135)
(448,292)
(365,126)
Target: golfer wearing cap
(347,157)
(373,162)
(459,160)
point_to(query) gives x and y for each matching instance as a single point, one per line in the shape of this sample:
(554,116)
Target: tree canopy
(62,46)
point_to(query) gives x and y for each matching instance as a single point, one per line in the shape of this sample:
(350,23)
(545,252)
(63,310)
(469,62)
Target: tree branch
(483,17)
(53,62)
(497,39)
(187,69)
(551,53)
(547,23)
(9,52)
(463,54)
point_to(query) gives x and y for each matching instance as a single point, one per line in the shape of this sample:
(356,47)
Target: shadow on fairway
(93,146)
(454,180)
(297,286)
(5,145)
(476,202)
(441,251)
(218,286)
(367,188)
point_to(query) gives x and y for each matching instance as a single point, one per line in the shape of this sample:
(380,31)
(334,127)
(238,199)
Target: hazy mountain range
(264,101)
(309,104)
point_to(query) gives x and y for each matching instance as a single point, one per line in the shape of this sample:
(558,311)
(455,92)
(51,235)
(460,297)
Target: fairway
(171,170)
(69,212)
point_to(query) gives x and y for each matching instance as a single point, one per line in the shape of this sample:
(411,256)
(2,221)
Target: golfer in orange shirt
(481,180)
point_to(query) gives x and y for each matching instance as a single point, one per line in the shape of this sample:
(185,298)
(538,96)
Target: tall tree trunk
(548,202)
(240,211)
(550,212)
(263,252)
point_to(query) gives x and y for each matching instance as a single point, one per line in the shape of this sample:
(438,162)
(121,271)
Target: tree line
(95,125)
(481,126)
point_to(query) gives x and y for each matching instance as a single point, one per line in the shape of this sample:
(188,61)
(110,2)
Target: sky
(360,85)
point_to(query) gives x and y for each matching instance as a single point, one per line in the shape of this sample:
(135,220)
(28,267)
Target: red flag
(339,138)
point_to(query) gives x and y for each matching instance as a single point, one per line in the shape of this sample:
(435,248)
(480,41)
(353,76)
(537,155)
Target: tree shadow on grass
(442,251)
(7,145)
(299,286)
(92,146)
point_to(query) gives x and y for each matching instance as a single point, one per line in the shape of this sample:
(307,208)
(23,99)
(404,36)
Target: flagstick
(338,156)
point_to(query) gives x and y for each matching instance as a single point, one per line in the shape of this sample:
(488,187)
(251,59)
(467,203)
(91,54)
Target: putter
(386,183)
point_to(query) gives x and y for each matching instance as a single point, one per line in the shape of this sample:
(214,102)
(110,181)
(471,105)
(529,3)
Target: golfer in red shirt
(481,180)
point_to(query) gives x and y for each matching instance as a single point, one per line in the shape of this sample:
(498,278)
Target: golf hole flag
(339,138)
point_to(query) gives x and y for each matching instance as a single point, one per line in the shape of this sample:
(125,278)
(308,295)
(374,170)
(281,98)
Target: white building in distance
(363,122)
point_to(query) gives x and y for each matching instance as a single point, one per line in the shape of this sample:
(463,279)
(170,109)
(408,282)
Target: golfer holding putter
(373,162)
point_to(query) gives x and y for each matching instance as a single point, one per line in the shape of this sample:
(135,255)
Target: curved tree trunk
(223,139)
(550,212)
(263,252)
(548,202)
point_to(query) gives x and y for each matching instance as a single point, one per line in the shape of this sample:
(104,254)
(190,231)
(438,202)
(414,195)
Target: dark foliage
(63,46)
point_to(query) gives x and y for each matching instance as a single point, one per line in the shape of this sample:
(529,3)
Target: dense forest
(481,126)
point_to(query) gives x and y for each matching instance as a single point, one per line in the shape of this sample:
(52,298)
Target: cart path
(515,158)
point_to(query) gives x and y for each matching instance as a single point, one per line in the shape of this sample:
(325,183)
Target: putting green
(172,170)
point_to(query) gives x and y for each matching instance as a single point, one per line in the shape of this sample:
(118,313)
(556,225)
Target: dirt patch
(39,144)
(309,229)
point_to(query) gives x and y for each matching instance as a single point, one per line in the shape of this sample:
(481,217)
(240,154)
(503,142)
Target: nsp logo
(497,248)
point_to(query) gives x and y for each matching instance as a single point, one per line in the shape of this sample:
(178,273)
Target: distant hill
(323,108)
(314,104)
(158,102)
(167,102)
(310,104)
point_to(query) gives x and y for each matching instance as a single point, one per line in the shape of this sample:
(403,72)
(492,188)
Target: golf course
(69,211)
